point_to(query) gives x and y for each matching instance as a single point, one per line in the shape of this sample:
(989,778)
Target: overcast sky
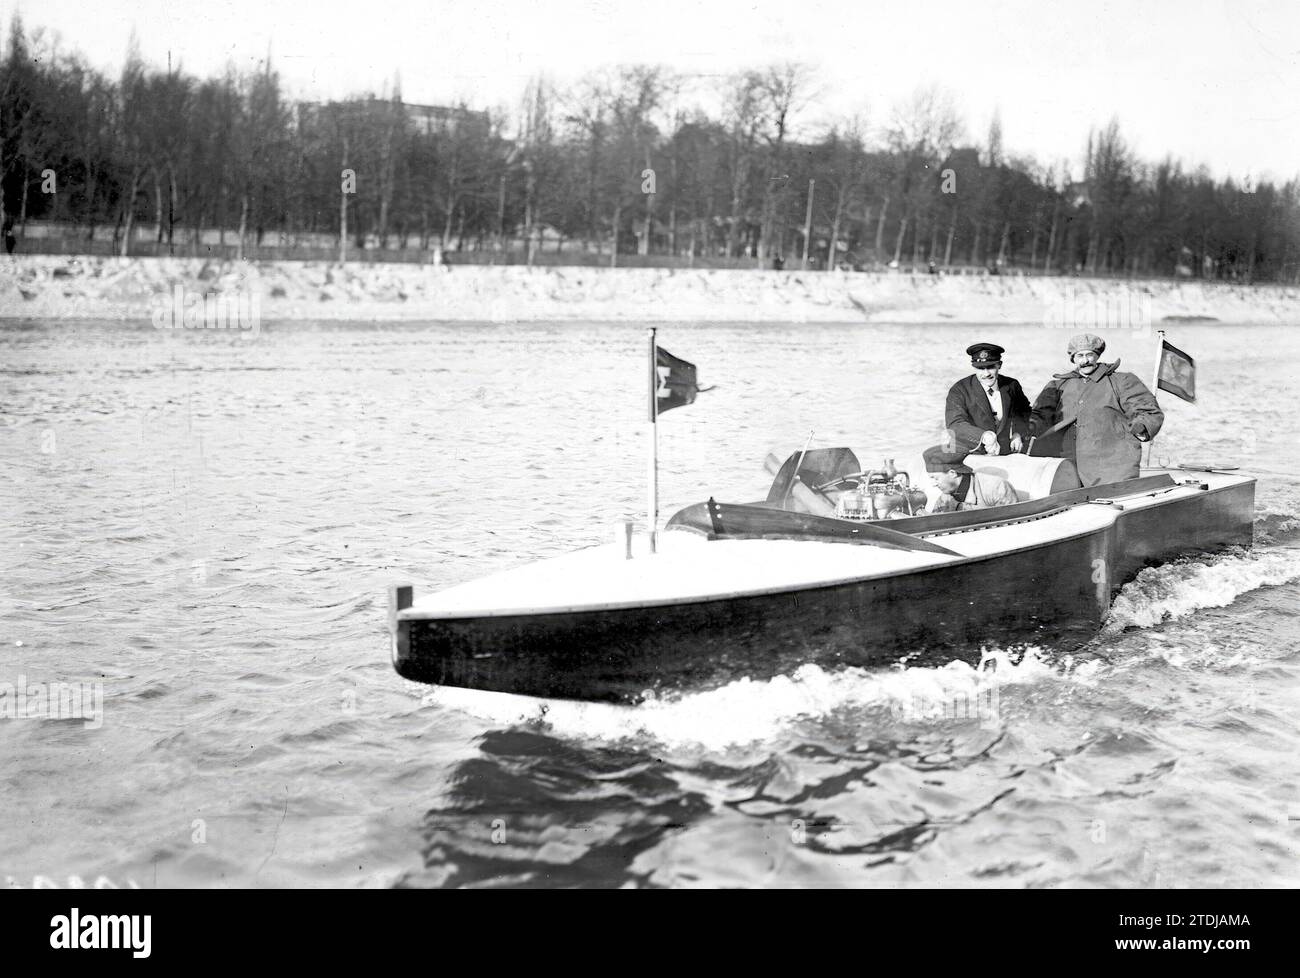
(1208,81)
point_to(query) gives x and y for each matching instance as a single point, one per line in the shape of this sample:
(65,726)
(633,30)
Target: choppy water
(206,523)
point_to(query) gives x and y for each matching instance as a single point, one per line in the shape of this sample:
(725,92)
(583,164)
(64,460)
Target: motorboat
(837,566)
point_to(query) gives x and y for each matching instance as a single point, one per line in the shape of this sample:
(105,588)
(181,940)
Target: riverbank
(57,287)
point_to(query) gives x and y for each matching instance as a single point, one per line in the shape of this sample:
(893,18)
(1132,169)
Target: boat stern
(400,597)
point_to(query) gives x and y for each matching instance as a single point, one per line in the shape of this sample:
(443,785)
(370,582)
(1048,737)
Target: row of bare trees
(627,161)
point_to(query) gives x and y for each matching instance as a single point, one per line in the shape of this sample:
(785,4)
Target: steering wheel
(855,477)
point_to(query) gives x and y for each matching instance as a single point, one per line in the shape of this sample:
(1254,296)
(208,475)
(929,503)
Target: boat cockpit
(825,494)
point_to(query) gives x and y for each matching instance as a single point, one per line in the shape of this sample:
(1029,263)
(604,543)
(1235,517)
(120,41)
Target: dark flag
(1177,373)
(676,384)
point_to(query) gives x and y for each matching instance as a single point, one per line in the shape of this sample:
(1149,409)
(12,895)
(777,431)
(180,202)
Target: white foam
(1176,590)
(747,711)
(750,712)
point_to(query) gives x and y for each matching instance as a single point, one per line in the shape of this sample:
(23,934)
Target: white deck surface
(687,567)
(690,567)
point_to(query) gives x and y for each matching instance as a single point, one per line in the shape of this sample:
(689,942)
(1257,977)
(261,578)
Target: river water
(204,524)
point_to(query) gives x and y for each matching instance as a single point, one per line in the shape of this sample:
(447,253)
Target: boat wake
(1159,594)
(1276,528)
(748,712)
(745,712)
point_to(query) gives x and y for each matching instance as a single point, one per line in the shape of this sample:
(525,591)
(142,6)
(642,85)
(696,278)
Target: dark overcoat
(1113,413)
(968,415)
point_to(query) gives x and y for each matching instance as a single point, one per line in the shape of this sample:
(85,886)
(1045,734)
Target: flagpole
(1155,386)
(652,494)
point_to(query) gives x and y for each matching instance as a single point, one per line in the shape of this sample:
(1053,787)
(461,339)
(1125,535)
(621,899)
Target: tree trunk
(880,229)
(90,200)
(157,207)
(833,248)
(644,245)
(1033,248)
(1051,238)
(343,212)
(446,225)
(501,215)
(343,227)
(613,254)
(952,229)
(733,227)
(129,208)
(22,214)
(530,230)
(171,210)
(243,227)
(898,242)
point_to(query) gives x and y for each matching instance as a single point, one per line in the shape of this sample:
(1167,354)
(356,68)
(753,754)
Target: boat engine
(882,494)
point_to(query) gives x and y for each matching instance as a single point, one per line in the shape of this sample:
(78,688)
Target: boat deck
(689,567)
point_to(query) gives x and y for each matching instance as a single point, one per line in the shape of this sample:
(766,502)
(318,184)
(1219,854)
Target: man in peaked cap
(986,414)
(1107,413)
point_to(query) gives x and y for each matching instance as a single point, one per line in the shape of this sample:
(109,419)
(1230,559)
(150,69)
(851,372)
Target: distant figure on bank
(778,262)
(934,268)
(1109,413)
(986,413)
(10,241)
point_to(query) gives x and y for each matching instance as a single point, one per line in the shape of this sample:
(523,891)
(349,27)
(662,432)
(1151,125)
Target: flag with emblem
(675,383)
(1176,372)
(672,384)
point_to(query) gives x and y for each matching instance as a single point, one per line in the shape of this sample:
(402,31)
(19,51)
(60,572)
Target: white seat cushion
(1031,477)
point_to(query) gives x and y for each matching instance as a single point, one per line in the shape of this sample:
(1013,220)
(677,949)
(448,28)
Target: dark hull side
(1209,523)
(1055,595)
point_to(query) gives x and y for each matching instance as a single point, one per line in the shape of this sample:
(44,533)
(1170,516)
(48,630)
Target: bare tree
(536,135)
(785,88)
(133,149)
(743,119)
(921,133)
(1108,179)
(844,175)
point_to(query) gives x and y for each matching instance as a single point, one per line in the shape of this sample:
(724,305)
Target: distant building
(425,120)
(429,119)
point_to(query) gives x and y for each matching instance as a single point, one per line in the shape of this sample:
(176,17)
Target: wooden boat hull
(1054,591)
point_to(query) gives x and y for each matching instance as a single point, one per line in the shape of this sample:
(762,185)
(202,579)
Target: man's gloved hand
(1138,429)
(1017,444)
(990,442)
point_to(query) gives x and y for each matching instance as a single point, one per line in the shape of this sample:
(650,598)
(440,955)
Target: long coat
(968,414)
(1110,409)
